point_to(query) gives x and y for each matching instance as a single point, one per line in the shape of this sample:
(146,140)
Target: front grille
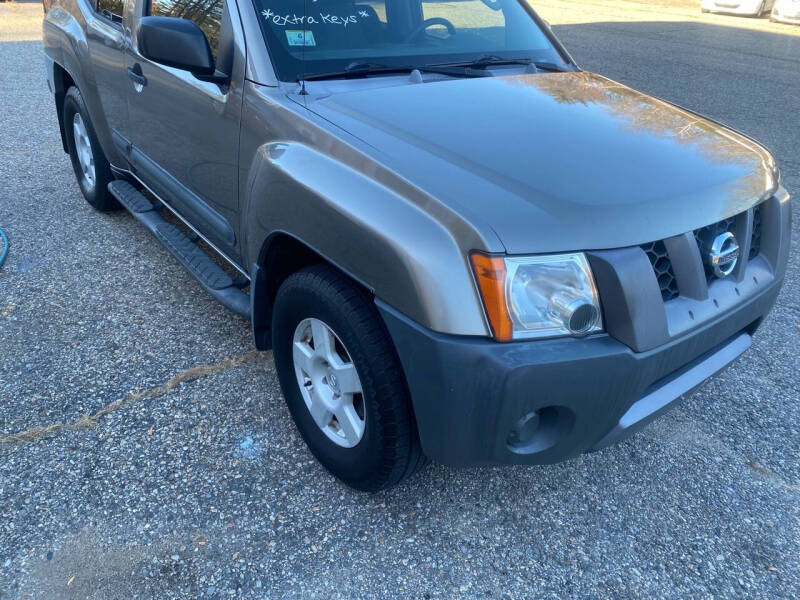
(705,237)
(662,267)
(755,238)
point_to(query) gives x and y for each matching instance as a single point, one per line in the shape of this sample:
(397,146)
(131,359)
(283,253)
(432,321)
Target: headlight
(538,296)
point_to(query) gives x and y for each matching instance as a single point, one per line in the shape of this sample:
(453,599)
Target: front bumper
(789,15)
(733,7)
(477,401)
(470,393)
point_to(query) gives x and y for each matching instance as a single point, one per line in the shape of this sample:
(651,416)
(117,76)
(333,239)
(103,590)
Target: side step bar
(216,281)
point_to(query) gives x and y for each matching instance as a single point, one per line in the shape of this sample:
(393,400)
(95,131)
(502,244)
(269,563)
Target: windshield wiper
(488,60)
(548,66)
(492,60)
(355,69)
(365,69)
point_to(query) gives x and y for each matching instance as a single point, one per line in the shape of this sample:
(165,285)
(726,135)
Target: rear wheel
(342,380)
(88,161)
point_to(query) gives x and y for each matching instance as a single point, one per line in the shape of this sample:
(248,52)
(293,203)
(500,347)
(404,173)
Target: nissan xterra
(458,245)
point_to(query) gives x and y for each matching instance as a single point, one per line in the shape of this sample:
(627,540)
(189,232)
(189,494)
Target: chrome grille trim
(705,237)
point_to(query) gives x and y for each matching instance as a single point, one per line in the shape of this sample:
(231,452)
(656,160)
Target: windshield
(327,36)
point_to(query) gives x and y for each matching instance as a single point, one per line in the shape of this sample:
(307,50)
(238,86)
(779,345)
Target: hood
(558,162)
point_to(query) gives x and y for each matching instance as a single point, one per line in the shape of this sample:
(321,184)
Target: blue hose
(5,247)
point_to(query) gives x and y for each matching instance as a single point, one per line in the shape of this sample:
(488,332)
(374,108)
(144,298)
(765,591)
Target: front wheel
(88,161)
(342,380)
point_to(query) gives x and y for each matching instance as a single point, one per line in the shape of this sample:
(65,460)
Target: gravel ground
(195,484)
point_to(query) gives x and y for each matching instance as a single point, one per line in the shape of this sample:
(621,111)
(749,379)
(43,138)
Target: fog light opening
(540,429)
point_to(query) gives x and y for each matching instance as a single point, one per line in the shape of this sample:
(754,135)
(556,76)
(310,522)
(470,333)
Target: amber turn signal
(490,273)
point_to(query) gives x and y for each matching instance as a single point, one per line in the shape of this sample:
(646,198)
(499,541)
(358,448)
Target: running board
(210,275)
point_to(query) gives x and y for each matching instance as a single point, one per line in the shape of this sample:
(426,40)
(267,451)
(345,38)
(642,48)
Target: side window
(207,14)
(111,9)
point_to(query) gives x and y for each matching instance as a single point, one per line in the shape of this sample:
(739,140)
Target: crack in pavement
(769,474)
(90,420)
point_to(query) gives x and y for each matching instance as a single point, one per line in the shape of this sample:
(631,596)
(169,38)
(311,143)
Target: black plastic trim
(187,202)
(210,275)
(469,393)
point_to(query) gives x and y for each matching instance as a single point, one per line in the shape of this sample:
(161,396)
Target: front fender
(65,43)
(412,261)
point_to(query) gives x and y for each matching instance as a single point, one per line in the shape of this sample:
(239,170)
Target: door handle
(138,79)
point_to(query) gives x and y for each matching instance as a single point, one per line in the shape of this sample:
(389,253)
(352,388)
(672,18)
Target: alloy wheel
(83,151)
(329,382)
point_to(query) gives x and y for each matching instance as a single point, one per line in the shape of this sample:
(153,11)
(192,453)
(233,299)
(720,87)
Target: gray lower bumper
(662,398)
(471,395)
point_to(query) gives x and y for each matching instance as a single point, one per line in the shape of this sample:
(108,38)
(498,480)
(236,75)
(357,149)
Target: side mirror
(178,43)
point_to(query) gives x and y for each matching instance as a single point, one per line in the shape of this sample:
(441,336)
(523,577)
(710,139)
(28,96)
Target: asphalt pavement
(146,451)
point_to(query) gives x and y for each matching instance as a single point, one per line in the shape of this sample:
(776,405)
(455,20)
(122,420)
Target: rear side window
(111,9)
(207,14)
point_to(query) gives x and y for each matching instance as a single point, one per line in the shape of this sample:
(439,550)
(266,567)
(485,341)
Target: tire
(389,450)
(95,188)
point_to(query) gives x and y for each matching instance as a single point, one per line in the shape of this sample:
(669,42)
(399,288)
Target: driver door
(183,133)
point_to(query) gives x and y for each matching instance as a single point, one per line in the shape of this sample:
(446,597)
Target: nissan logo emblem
(724,254)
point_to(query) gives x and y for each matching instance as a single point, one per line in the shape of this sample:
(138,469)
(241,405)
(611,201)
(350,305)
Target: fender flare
(65,44)
(409,259)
